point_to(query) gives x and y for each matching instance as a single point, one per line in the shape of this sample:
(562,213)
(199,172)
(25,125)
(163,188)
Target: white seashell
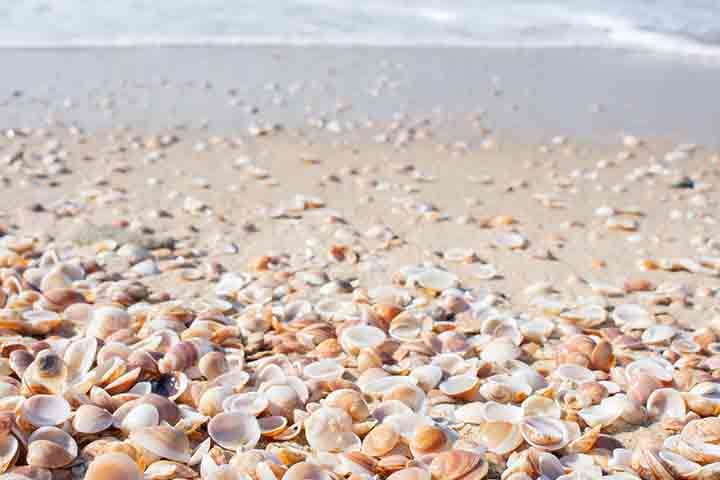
(248,403)
(603,414)
(666,403)
(388,408)
(353,339)
(408,326)
(498,412)
(512,241)
(329,429)
(505,388)
(473,413)
(501,438)
(45,410)
(380,386)
(632,314)
(460,386)
(142,416)
(325,370)
(586,315)
(540,406)
(432,278)
(500,351)
(545,433)
(704,398)
(657,367)
(484,271)
(405,424)
(234,431)
(427,376)
(658,334)
(573,373)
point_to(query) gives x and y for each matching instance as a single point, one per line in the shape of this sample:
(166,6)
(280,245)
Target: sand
(588,177)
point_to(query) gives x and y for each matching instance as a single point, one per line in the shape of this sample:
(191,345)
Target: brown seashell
(9,448)
(633,285)
(58,299)
(368,358)
(169,412)
(392,463)
(91,419)
(184,355)
(46,374)
(167,470)
(350,401)
(212,365)
(456,464)
(113,466)
(428,439)
(602,357)
(144,360)
(381,440)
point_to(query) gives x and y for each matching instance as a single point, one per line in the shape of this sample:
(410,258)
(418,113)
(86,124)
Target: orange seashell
(455,464)
(381,440)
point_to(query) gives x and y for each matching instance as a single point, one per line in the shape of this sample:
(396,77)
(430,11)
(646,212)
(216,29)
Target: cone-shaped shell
(113,466)
(50,447)
(91,419)
(163,441)
(234,431)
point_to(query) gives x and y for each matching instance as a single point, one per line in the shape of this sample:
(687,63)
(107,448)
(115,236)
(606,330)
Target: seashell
(540,406)
(656,367)
(212,400)
(411,395)
(457,464)
(544,433)
(658,334)
(406,424)
(105,321)
(325,370)
(640,388)
(500,351)
(704,399)
(498,412)
(272,426)
(212,365)
(20,360)
(163,441)
(91,419)
(463,387)
(380,386)
(355,338)
(165,470)
(184,355)
(9,448)
(58,299)
(350,401)
(40,322)
(235,378)
(632,314)
(408,326)
(138,416)
(427,376)
(380,441)
(50,447)
(329,429)
(666,403)
(433,279)
(307,471)
(500,438)
(169,412)
(234,431)
(429,439)
(113,466)
(46,374)
(249,403)
(45,410)
(587,316)
(80,356)
(677,464)
(512,241)
(569,372)
(410,473)
(473,413)
(172,385)
(648,464)
(505,389)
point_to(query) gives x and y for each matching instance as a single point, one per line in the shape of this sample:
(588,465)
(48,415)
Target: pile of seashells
(279,377)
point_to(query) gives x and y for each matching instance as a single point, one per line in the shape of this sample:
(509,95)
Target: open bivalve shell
(329,429)
(235,431)
(45,410)
(50,447)
(163,441)
(545,433)
(113,466)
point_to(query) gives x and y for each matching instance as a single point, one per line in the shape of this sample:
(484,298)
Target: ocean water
(682,27)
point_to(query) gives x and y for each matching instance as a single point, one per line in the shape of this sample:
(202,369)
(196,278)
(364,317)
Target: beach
(335,217)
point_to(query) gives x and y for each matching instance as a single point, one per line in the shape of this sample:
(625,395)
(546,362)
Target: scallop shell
(234,431)
(91,419)
(113,466)
(163,441)
(380,441)
(50,447)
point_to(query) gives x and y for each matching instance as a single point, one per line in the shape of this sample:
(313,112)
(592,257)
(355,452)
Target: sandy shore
(566,237)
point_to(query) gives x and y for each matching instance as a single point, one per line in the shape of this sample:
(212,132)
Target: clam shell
(464,387)
(433,279)
(666,403)
(234,431)
(306,471)
(45,410)
(501,437)
(498,412)
(411,395)
(353,339)
(704,399)
(326,370)
(473,413)
(249,403)
(410,473)
(136,417)
(499,351)
(50,447)
(380,441)
(9,448)
(272,426)
(91,419)
(350,401)
(540,406)
(545,433)
(163,441)
(406,424)
(113,466)
(105,321)
(457,464)
(429,439)
(329,429)
(427,376)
